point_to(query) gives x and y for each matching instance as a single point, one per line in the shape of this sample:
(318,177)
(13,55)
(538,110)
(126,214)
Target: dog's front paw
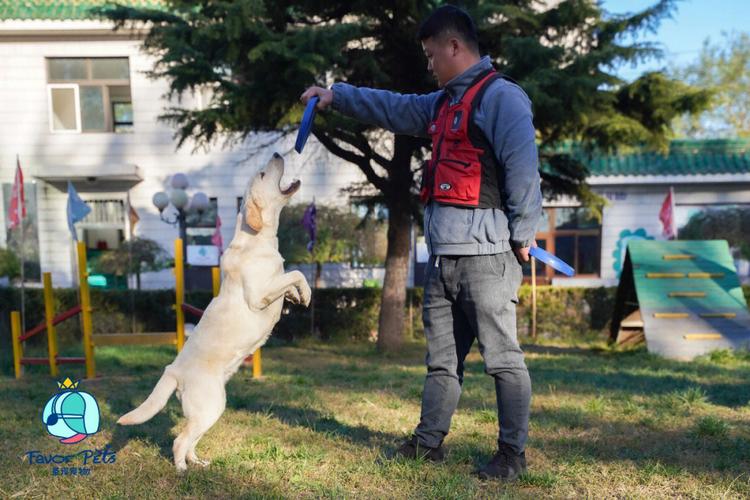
(305,292)
(292,295)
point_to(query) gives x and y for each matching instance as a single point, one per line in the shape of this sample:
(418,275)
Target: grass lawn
(323,420)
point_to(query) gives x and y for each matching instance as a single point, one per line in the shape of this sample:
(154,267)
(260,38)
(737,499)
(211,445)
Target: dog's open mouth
(293,187)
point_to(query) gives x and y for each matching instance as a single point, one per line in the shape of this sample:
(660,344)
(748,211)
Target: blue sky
(683,35)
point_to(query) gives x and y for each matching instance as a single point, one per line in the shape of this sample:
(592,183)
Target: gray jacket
(504,115)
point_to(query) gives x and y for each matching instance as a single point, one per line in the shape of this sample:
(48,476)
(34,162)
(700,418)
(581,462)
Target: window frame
(114,121)
(549,235)
(50,111)
(89,81)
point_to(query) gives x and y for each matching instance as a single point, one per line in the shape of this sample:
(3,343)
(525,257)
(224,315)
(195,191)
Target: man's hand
(325,95)
(522,254)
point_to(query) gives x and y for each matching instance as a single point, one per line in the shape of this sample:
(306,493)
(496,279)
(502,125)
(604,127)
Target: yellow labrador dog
(237,322)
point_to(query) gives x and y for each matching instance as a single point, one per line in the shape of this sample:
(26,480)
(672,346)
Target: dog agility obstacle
(92,340)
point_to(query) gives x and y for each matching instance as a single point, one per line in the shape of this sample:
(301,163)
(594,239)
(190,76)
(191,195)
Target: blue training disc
(306,125)
(551,260)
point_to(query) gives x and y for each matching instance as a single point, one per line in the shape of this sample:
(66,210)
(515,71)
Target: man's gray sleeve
(505,117)
(407,114)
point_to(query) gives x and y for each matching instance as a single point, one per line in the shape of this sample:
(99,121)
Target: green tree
(334,238)
(724,69)
(10,266)
(133,257)
(731,224)
(259,55)
(341,237)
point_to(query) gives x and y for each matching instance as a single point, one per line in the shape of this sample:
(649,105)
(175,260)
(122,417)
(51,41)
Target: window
(572,234)
(106,212)
(577,236)
(89,95)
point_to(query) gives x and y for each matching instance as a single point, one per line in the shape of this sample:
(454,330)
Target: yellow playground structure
(92,340)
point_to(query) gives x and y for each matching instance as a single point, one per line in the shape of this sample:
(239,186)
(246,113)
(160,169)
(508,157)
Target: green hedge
(340,314)
(567,313)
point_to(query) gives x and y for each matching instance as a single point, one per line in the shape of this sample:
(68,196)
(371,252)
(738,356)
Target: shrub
(10,266)
(566,312)
(342,236)
(133,257)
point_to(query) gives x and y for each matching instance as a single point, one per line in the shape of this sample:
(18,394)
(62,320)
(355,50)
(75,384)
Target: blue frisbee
(552,261)
(306,126)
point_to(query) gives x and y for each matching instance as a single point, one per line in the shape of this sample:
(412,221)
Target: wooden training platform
(683,298)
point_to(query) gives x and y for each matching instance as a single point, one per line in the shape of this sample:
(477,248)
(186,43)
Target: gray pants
(467,297)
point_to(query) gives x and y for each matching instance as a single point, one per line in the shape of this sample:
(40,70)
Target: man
(482,198)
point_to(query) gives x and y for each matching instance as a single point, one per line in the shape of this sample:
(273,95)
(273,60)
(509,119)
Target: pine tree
(260,55)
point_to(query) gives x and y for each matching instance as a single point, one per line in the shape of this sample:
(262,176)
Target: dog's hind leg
(191,457)
(203,405)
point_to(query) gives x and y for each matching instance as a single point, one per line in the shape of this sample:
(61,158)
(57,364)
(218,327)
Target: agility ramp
(682,297)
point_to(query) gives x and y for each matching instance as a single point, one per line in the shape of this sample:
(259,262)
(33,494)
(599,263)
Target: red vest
(463,170)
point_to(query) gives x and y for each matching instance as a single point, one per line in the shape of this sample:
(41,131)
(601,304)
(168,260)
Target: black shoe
(413,450)
(506,465)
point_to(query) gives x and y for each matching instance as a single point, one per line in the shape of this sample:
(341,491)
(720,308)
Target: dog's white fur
(237,322)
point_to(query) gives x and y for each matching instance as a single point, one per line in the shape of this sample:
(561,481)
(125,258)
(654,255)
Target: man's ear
(253,215)
(455,46)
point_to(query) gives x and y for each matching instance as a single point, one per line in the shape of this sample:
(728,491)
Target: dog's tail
(154,402)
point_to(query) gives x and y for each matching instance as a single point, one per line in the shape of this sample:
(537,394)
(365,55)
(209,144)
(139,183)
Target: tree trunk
(391,321)
(137,280)
(318,273)
(393,301)
(315,286)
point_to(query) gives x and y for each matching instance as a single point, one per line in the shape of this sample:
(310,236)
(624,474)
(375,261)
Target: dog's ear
(252,215)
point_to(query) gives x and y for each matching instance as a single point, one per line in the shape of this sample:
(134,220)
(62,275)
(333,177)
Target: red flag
(17,200)
(666,216)
(216,237)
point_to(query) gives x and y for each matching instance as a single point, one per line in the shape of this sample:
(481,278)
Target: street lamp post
(180,200)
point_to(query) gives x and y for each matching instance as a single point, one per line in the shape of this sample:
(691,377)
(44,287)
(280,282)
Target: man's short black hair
(449,19)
